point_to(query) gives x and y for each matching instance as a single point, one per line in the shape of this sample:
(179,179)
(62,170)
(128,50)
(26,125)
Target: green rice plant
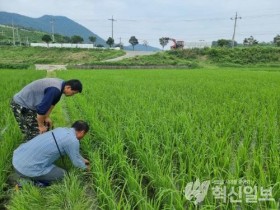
(10,135)
(69,194)
(124,178)
(29,197)
(159,130)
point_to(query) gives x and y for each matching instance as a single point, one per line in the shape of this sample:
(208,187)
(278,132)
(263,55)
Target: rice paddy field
(159,139)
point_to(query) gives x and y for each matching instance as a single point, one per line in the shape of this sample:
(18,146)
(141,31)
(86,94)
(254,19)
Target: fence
(68,45)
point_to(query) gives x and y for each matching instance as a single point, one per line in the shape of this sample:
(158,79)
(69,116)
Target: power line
(155,19)
(261,16)
(226,30)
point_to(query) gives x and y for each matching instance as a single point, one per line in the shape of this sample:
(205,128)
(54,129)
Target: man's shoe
(41,183)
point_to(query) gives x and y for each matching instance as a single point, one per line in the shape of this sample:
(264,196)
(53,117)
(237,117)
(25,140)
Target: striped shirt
(36,157)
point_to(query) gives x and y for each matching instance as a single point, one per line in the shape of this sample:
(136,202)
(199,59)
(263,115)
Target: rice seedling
(154,132)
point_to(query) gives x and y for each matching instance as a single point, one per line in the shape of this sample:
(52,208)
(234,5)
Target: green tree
(92,39)
(163,41)
(66,39)
(250,41)
(62,39)
(224,43)
(47,38)
(133,41)
(276,40)
(76,39)
(58,38)
(110,41)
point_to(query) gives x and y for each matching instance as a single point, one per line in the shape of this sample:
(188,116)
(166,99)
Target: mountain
(62,25)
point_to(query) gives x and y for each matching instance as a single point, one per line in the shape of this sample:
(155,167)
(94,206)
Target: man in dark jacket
(33,105)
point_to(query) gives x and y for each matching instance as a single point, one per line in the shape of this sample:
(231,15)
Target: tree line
(78,39)
(250,41)
(163,41)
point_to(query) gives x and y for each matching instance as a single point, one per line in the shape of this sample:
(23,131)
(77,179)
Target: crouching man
(35,159)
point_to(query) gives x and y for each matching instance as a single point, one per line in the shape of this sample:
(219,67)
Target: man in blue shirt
(35,158)
(33,105)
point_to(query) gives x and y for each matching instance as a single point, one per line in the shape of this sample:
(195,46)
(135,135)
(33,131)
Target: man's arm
(49,111)
(73,152)
(44,122)
(48,120)
(45,108)
(41,124)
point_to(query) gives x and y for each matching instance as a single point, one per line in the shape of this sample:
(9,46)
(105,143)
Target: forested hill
(62,25)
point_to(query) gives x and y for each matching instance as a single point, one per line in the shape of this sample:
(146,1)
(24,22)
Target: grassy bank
(26,57)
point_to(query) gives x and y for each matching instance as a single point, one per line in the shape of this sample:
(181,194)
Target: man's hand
(87,164)
(44,123)
(42,129)
(86,161)
(48,123)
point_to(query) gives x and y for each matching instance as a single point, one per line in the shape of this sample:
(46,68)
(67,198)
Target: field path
(130,54)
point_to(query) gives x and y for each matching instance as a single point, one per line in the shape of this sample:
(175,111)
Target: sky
(191,21)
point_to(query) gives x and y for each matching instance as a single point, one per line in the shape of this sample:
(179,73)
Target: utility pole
(112,19)
(52,27)
(27,41)
(235,20)
(145,43)
(14,42)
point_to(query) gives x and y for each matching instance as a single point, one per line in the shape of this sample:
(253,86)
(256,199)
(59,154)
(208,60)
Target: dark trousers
(26,119)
